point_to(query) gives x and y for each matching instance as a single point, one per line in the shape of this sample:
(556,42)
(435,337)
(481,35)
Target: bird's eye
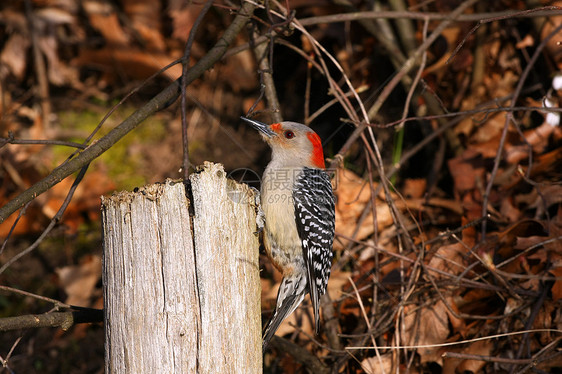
(289,134)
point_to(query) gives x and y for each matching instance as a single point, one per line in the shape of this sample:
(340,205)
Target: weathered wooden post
(181,291)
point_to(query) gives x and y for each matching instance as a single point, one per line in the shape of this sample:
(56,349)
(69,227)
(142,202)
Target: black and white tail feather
(290,295)
(313,200)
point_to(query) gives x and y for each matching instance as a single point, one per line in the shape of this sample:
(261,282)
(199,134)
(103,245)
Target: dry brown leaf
(533,284)
(482,348)
(374,365)
(86,199)
(141,15)
(337,280)
(555,230)
(132,62)
(59,72)
(522,243)
(79,281)
(414,188)
(501,84)
(448,258)
(241,70)
(466,170)
(104,19)
(57,16)
(538,139)
(427,326)
(423,204)
(457,365)
(31,222)
(557,286)
(490,129)
(14,55)
(353,194)
(451,35)
(549,195)
(552,47)
(183,20)
(509,210)
(467,125)
(546,163)
(527,41)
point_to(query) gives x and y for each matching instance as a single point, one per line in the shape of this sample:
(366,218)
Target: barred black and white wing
(314,204)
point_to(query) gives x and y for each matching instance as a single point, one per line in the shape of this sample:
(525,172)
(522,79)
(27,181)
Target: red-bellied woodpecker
(298,203)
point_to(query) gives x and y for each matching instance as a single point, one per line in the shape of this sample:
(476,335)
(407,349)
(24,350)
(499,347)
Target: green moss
(120,164)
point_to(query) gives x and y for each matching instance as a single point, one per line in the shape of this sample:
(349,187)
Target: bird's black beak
(260,126)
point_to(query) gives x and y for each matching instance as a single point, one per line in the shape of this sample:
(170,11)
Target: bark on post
(181,293)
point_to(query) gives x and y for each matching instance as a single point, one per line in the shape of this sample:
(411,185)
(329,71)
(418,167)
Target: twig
(535,359)
(20,214)
(307,119)
(461,282)
(12,140)
(493,19)
(450,233)
(466,341)
(372,203)
(335,89)
(325,107)
(417,77)
(399,135)
(320,51)
(53,222)
(364,313)
(184,82)
(426,140)
(547,11)
(404,26)
(405,69)
(409,64)
(331,323)
(5,361)
(508,119)
(264,56)
(465,113)
(300,355)
(501,360)
(531,321)
(381,28)
(479,65)
(519,254)
(40,69)
(57,303)
(437,289)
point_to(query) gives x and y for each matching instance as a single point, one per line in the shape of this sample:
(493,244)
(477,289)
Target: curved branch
(547,11)
(64,320)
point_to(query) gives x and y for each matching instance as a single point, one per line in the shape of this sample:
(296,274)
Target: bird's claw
(260,215)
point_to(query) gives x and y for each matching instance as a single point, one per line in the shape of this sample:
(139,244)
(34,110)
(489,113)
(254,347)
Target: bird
(298,204)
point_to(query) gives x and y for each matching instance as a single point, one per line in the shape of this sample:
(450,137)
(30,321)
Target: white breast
(277,204)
